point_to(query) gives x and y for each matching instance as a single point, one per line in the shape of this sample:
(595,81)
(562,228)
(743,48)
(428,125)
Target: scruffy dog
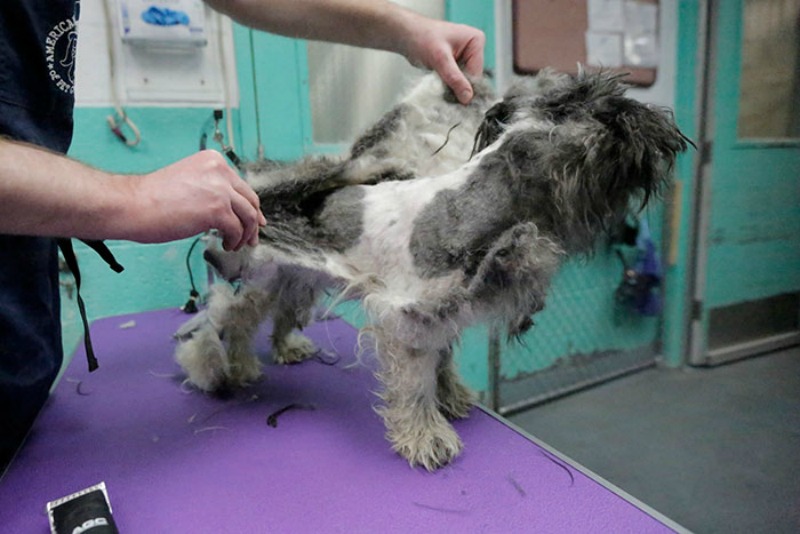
(442,216)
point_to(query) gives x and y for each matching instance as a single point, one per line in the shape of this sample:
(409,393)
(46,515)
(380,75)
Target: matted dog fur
(442,216)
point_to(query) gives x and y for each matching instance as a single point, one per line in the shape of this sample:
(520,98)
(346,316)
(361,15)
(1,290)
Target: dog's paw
(244,369)
(430,442)
(294,348)
(204,360)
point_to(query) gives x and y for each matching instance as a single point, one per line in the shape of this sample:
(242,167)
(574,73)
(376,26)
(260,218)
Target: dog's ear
(641,141)
(609,151)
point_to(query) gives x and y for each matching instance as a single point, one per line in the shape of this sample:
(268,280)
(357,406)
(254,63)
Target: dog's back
(314,206)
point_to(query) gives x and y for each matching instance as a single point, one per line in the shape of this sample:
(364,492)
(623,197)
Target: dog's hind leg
(241,322)
(219,354)
(293,309)
(416,428)
(289,346)
(453,397)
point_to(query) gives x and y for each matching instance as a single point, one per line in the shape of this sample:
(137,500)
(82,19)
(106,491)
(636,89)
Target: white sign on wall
(622,33)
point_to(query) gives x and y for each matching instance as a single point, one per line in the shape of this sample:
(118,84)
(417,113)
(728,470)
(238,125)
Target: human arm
(43,193)
(435,44)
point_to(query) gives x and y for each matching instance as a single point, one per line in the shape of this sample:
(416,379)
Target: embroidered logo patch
(60,47)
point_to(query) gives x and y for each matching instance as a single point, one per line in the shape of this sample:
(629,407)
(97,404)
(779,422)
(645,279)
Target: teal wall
(480,14)
(273,84)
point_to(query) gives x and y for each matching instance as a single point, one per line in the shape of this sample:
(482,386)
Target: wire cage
(587,334)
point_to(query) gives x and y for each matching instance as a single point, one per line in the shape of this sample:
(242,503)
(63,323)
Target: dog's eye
(502,253)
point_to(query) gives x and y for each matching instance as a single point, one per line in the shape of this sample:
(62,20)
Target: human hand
(191,196)
(447,48)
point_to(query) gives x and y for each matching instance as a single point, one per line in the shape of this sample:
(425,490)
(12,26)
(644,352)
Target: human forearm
(42,193)
(445,47)
(368,23)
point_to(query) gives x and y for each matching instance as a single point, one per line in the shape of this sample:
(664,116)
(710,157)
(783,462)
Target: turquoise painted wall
(479,14)
(273,84)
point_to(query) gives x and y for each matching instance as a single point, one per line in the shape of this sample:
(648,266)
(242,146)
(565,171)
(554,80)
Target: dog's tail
(288,246)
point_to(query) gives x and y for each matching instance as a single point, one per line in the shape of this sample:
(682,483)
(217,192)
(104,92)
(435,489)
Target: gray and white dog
(442,216)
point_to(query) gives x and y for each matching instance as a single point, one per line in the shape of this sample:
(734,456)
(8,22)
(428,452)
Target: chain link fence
(584,336)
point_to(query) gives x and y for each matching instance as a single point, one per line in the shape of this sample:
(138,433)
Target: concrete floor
(716,450)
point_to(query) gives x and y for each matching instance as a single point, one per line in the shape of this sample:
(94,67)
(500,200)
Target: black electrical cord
(191,304)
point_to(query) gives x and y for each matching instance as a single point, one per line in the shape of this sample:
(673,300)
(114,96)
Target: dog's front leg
(416,428)
(454,398)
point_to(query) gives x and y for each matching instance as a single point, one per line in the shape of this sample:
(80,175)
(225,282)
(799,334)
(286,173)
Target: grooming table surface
(175,460)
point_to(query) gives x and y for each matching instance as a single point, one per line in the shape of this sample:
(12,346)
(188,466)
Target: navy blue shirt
(37,58)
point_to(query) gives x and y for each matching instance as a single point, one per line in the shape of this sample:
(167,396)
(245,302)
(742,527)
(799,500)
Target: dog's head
(594,151)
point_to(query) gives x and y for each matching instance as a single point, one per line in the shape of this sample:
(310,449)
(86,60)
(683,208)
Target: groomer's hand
(448,48)
(194,195)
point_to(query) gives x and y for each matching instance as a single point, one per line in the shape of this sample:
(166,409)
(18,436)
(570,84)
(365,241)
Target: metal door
(747,249)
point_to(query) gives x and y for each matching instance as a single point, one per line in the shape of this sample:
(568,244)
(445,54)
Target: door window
(769,104)
(350,88)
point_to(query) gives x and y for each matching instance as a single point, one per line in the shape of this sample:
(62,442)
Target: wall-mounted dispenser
(163,23)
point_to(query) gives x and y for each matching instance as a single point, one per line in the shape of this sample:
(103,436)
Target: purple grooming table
(175,460)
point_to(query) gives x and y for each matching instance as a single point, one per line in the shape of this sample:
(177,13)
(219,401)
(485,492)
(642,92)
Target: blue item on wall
(639,288)
(648,267)
(164,16)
